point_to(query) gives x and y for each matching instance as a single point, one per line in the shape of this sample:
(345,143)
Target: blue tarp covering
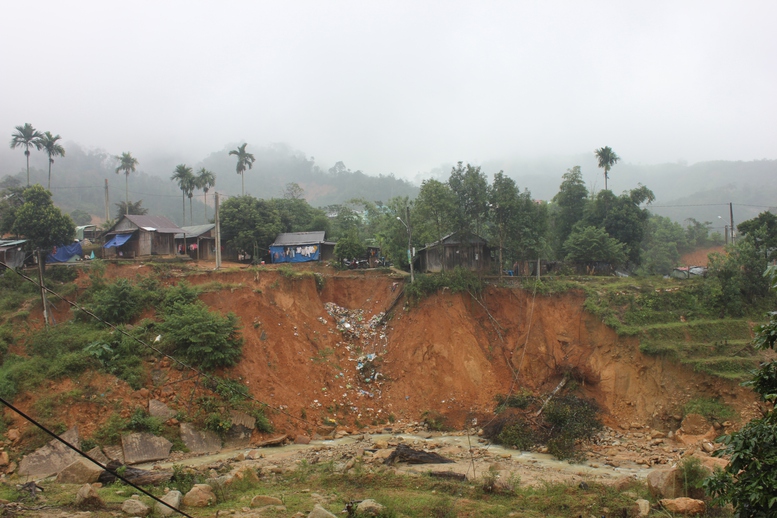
(117,240)
(64,253)
(295,254)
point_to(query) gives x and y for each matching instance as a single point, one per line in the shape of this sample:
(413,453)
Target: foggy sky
(396,87)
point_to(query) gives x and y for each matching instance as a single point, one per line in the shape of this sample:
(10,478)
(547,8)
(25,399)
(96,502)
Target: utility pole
(731,218)
(42,289)
(409,245)
(107,205)
(727,235)
(218,233)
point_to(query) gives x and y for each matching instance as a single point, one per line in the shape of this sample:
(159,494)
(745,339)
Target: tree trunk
(27,153)
(191,215)
(183,206)
(126,193)
(49,187)
(205,194)
(242,181)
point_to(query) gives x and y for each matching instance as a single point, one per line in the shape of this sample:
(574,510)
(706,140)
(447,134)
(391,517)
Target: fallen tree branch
(558,387)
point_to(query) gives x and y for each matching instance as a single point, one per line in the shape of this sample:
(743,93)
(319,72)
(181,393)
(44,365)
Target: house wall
(470,257)
(159,244)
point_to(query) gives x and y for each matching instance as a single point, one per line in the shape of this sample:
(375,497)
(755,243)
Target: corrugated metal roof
(299,238)
(12,242)
(195,231)
(154,223)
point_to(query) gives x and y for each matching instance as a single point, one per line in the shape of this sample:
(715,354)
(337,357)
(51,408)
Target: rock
(245,473)
(713,463)
(82,471)
(665,483)
(201,495)
(302,439)
(114,453)
(158,409)
(263,500)
(695,424)
(87,498)
(199,441)
(144,447)
(622,482)
(708,446)
(242,419)
(684,506)
(369,507)
(97,454)
(173,498)
(643,507)
(273,441)
(320,512)
(239,435)
(134,507)
(12,434)
(4,460)
(52,458)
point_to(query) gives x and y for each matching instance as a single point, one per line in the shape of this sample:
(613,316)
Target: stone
(665,483)
(242,419)
(87,498)
(263,500)
(695,424)
(97,454)
(114,453)
(51,458)
(239,435)
(199,441)
(134,507)
(173,498)
(82,471)
(708,446)
(320,512)
(369,507)
(158,409)
(13,434)
(302,439)
(201,495)
(246,473)
(144,447)
(643,507)
(276,440)
(684,506)
(4,460)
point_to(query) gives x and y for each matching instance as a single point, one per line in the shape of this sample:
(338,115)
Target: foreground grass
(409,496)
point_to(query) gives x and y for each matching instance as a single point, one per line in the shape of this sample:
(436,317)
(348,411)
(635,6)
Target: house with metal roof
(459,249)
(12,252)
(198,241)
(301,247)
(137,236)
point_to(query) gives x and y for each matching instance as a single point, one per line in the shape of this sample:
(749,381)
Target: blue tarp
(64,253)
(295,254)
(117,240)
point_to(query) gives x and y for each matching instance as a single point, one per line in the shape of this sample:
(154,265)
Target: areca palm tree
(127,164)
(48,143)
(607,159)
(205,181)
(183,175)
(26,136)
(244,161)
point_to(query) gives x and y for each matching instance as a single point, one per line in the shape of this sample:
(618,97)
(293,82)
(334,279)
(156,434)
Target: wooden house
(199,242)
(138,236)
(464,250)
(301,247)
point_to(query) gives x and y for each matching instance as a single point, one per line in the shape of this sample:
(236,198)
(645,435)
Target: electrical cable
(83,454)
(155,349)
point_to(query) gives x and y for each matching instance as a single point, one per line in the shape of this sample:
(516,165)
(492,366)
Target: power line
(83,454)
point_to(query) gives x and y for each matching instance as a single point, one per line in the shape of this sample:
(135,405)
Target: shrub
(202,337)
(141,421)
(434,420)
(110,431)
(518,434)
(457,280)
(693,473)
(711,409)
(183,293)
(118,303)
(120,356)
(569,419)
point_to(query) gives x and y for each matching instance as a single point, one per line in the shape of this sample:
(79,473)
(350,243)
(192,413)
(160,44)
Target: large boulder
(369,507)
(51,458)
(158,409)
(642,508)
(134,507)
(199,441)
(81,471)
(695,424)
(88,499)
(684,506)
(201,495)
(239,435)
(173,498)
(263,500)
(665,483)
(144,447)
(320,512)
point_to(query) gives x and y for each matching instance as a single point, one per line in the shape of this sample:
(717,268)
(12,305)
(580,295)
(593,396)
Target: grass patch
(457,280)
(711,409)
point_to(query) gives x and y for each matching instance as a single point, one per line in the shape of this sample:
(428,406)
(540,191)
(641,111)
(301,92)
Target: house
(199,242)
(464,250)
(89,232)
(301,247)
(12,252)
(138,236)
(687,272)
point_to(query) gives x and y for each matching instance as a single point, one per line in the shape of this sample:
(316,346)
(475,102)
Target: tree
(127,165)
(435,210)
(26,137)
(183,175)
(40,222)
(763,228)
(503,199)
(133,208)
(749,480)
(470,187)
(48,143)
(607,158)
(80,217)
(245,161)
(293,191)
(571,199)
(589,245)
(350,247)
(661,247)
(248,224)
(206,180)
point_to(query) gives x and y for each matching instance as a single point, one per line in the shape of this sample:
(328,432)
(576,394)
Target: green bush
(119,302)
(569,419)
(218,422)
(121,356)
(110,432)
(711,409)
(518,434)
(693,474)
(204,338)
(183,293)
(457,280)
(141,421)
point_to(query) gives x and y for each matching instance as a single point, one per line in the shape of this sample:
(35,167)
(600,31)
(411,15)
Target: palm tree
(205,181)
(48,142)
(127,164)
(183,175)
(25,137)
(607,159)
(244,161)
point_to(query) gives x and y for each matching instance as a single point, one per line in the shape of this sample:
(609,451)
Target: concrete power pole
(218,233)
(731,218)
(107,205)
